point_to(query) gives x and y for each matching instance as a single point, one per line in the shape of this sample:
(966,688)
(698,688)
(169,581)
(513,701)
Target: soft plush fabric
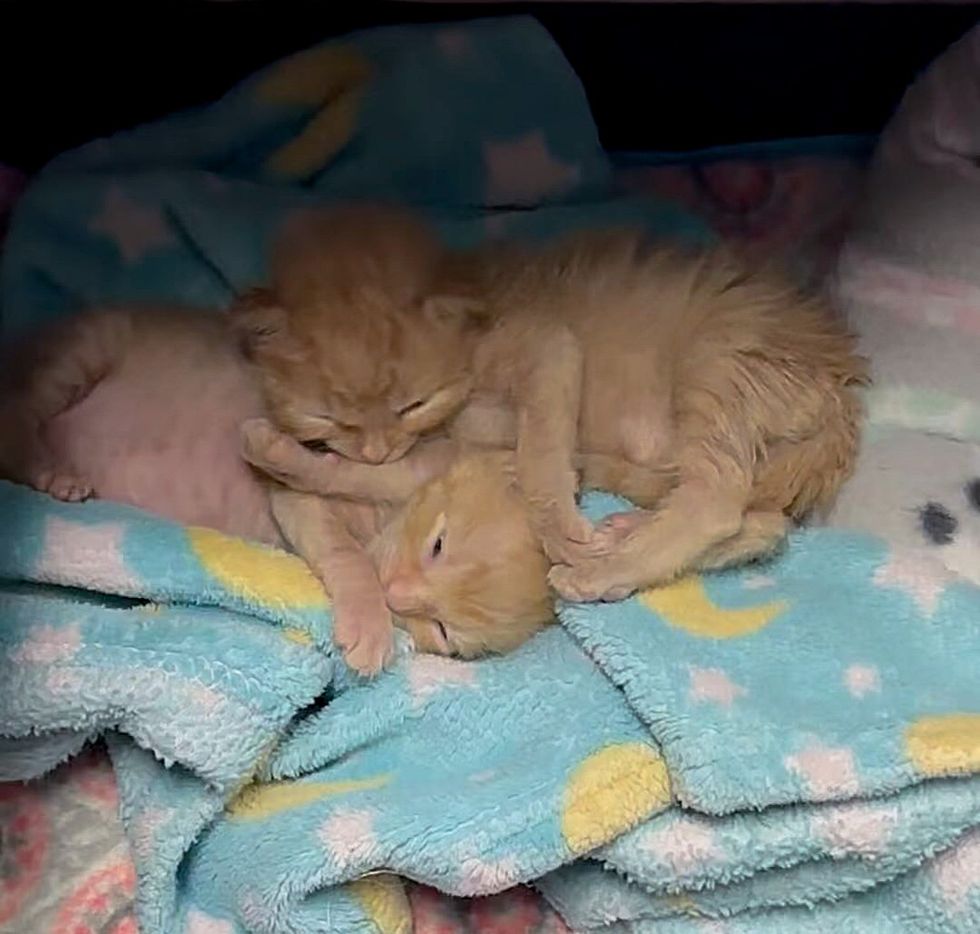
(909,281)
(813,712)
(473,122)
(743,691)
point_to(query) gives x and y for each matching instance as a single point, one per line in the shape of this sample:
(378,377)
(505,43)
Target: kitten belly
(166,440)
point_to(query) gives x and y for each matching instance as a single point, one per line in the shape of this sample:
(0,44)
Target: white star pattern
(956,872)
(135,228)
(861,680)
(855,828)
(684,846)
(47,644)
(349,838)
(712,685)
(86,555)
(828,771)
(428,674)
(923,577)
(523,172)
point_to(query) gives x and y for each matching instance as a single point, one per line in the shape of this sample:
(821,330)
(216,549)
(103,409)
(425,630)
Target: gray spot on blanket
(938,523)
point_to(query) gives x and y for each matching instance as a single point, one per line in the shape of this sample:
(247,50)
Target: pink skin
(169,445)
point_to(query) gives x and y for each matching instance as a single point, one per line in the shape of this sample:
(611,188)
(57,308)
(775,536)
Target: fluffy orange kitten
(460,564)
(357,351)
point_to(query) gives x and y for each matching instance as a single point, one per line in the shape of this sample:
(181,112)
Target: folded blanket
(744,691)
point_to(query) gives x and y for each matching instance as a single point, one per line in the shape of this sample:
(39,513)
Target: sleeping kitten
(730,376)
(460,564)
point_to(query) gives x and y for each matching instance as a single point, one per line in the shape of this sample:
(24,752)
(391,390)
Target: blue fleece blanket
(741,744)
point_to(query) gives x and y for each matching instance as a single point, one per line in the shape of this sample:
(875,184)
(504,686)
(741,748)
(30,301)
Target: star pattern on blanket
(712,685)
(919,574)
(523,171)
(48,644)
(685,845)
(826,771)
(349,837)
(198,922)
(856,827)
(956,872)
(136,229)
(429,674)
(86,554)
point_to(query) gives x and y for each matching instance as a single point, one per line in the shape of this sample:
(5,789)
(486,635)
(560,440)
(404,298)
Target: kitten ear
(460,309)
(261,321)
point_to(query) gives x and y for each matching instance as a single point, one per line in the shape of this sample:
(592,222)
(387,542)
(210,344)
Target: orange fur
(728,379)
(355,349)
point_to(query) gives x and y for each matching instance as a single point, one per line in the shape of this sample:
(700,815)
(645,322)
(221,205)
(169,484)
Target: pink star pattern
(956,872)
(86,555)
(522,171)
(135,228)
(428,674)
(349,837)
(861,680)
(47,644)
(923,577)
(684,846)
(827,771)
(855,828)
(712,685)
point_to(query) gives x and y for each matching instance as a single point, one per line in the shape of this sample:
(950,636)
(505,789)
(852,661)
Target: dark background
(661,76)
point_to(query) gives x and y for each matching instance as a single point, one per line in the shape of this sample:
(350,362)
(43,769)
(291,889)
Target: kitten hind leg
(760,535)
(74,357)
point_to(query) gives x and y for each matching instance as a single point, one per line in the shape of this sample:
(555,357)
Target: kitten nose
(401,595)
(375,450)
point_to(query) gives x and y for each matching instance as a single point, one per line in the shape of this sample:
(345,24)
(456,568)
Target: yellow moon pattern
(383,898)
(259,801)
(613,789)
(258,574)
(947,744)
(686,605)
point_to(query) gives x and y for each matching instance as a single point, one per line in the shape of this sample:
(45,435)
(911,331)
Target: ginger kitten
(353,345)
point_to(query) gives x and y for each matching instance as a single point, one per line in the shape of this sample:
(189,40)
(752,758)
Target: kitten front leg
(282,457)
(548,399)
(317,532)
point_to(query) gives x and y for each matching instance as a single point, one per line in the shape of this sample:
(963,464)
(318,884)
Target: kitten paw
(612,531)
(263,445)
(591,581)
(568,540)
(63,485)
(363,631)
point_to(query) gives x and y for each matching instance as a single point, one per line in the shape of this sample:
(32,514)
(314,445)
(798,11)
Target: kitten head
(461,567)
(358,344)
